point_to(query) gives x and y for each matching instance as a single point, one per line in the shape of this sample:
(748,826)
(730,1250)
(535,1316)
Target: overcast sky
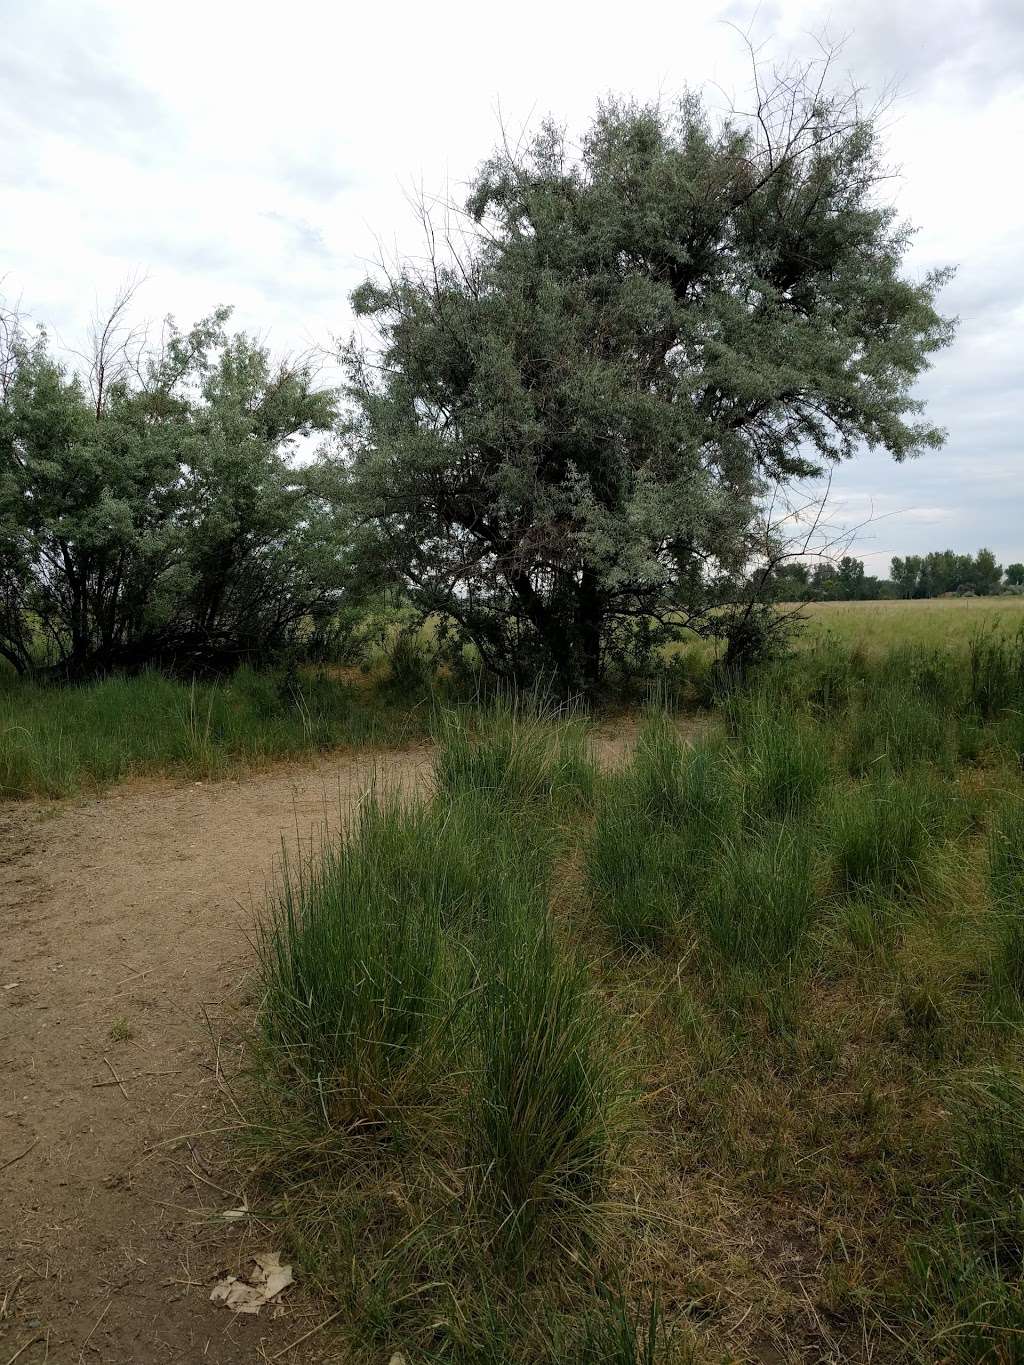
(263,155)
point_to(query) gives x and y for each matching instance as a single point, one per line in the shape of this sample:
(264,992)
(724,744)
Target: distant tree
(850,579)
(1015,575)
(790,582)
(149,512)
(906,575)
(945,571)
(572,413)
(986,574)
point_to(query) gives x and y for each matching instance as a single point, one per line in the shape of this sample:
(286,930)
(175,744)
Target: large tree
(569,416)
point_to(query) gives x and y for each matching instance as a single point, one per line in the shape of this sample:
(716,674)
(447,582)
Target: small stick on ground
(20,1155)
(117,1078)
(106,1310)
(9,1295)
(306,1335)
(21,1349)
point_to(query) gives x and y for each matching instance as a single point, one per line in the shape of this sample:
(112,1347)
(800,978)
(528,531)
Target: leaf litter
(263,1283)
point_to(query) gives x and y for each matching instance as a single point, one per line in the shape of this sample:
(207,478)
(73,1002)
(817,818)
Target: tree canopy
(149,509)
(569,416)
(944,571)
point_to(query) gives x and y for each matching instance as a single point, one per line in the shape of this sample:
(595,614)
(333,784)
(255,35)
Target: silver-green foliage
(562,438)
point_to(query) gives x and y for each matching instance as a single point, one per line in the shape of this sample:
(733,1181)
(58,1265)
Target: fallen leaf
(264,1282)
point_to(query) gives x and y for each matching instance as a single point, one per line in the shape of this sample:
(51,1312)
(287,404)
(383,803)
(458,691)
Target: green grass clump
(658,826)
(545,1101)
(1006,885)
(354,961)
(1006,854)
(883,834)
(514,755)
(762,905)
(996,678)
(968,1278)
(897,730)
(785,762)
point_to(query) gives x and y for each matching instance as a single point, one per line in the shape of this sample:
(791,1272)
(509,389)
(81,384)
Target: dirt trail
(125,925)
(131,913)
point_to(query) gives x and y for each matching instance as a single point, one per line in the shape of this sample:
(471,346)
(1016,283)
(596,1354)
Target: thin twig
(116,1077)
(306,1335)
(9,1295)
(20,1155)
(31,1342)
(106,1310)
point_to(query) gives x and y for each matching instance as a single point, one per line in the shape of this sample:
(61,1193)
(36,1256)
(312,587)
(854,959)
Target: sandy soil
(132,912)
(124,957)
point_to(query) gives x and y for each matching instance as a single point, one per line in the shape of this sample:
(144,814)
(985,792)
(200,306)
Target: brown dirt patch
(131,914)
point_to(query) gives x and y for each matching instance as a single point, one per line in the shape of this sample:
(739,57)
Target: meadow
(710,1056)
(945,621)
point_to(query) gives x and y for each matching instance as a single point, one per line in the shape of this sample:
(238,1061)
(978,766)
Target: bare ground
(131,913)
(124,959)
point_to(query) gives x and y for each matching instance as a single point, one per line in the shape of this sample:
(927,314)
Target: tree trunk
(591,608)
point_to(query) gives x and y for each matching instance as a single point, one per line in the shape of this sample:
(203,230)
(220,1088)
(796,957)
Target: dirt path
(129,914)
(125,925)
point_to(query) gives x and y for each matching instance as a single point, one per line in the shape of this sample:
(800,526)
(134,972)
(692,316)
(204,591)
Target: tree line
(560,430)
(939,574)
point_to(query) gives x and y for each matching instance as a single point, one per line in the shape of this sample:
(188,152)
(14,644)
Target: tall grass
(545,1100)
(513,753)
(996,672)
(784,758)
(56,741)
(895,729)
(968,1280)
(763,902)
(835,1171)
(656,831)
(354,962)
(883,834)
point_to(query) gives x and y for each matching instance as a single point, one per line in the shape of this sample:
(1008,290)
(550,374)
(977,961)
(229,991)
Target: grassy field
(55,742)
(713,1057)
(879,626)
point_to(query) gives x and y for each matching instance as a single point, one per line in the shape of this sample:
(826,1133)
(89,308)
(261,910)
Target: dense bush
(153,515)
